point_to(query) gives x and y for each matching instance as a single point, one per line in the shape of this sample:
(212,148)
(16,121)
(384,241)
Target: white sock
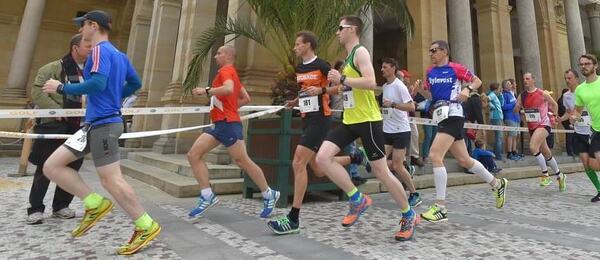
(541,162)
(480,171)
(553,165)
(206,193)
(267,193)
(440,179)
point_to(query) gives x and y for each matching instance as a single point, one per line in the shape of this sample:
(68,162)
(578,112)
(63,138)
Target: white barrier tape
(37,113)
(272,109)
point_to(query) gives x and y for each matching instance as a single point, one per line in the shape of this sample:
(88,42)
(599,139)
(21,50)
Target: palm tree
(278,21)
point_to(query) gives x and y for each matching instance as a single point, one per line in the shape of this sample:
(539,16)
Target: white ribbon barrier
(38,113)
(426,121)
(266,110)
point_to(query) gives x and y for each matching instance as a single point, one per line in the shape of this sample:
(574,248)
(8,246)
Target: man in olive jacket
(67,69)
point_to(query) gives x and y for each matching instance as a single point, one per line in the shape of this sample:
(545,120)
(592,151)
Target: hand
(199,91)
(464,95)
(289,104)
(50,86)
(334,76)
(417,85)
(387,103)
(313,91)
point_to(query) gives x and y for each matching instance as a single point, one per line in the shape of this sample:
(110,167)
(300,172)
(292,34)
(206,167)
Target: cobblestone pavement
(536,223)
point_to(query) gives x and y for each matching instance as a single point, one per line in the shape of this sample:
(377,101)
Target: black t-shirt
(315,74)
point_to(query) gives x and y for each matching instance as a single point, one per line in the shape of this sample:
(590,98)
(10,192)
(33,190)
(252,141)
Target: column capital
(593,10)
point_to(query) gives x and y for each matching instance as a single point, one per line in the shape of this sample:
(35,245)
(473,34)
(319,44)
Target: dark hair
(532,76)
(355,21)
(338,64)
(564,90)
(308,36)
(478,143)
(390,61)
(591,57)
(512,81)
(572,71)
(494,86)
(75,41)
(442,45)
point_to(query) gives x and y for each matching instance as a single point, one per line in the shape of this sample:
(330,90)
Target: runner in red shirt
(536,104)
(226,95)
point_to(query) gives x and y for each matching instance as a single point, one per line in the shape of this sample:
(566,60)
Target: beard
(588,72)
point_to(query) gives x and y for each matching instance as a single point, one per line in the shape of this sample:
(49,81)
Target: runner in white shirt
(396,129)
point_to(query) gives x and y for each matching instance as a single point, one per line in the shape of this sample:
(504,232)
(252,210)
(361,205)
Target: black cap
(101,17)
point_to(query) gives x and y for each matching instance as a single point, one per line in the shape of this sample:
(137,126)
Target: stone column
(530,48)
(137,45)
(550,18)
(158,67)
(495,40)
(460,33)
(16,85)
(593,13)
(574,31)
(430,25)
(196,16)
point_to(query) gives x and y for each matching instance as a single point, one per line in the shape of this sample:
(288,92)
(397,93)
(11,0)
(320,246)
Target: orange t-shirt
(225,108)
(314,73)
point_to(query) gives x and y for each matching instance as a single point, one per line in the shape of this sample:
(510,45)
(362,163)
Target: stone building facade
(497,39)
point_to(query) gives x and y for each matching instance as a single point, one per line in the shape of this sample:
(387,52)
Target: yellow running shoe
(562,182)
(435,214)
(91,217)
(140,238)
(545,181)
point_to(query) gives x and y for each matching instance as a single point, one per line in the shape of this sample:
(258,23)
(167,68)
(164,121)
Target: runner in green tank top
(363,120)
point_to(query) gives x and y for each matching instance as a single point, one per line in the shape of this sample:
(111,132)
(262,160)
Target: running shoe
(356,209)
(501,193)
(596,198)
(407,228)
(365,161)
(435,214)
(139,239)
(92,216)
(411,170)
(203,206)
(269,204)
(414,199)
(283,226)
(562,182)
(545,181)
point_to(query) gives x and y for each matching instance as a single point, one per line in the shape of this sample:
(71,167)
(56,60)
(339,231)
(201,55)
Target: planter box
(271,145)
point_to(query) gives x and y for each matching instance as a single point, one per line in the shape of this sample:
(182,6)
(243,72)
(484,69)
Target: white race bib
(440,114)
(308,103)
(78,141)
(584,121)
(386,112)
(348,99)
(532,115)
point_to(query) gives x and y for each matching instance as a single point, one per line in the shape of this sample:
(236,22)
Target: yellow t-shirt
(365,107)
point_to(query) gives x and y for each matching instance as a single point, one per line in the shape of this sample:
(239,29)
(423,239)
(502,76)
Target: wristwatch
(470,88)
(60,88)
(342,79)
(207,89)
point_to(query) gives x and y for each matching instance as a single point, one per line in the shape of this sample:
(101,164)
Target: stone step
(174,184)
(460,178)
(177,163)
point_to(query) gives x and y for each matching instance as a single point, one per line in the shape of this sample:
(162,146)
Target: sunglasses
(343,26)
(434,50)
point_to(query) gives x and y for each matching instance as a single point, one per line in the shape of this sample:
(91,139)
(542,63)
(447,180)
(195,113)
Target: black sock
(294,214)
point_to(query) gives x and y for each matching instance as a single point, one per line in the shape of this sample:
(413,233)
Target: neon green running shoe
(501,193)
(545,181)
(91,217)
(562,182)
(435,214)
(140,238)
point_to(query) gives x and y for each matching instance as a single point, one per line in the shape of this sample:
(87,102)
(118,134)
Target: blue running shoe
(203,205)
(269,204)
(414,199)
(284,225)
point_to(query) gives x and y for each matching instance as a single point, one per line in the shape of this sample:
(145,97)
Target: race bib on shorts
(308,103)
(584,120)
(78,141)
(441,113)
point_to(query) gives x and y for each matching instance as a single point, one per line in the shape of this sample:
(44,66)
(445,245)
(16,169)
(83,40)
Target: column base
(164,145)
(218,155)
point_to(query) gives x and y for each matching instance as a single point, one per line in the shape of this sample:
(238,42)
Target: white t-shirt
(395,120)
(583,125)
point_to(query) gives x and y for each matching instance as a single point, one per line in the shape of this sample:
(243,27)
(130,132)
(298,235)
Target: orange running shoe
(356,209)
(407,227)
